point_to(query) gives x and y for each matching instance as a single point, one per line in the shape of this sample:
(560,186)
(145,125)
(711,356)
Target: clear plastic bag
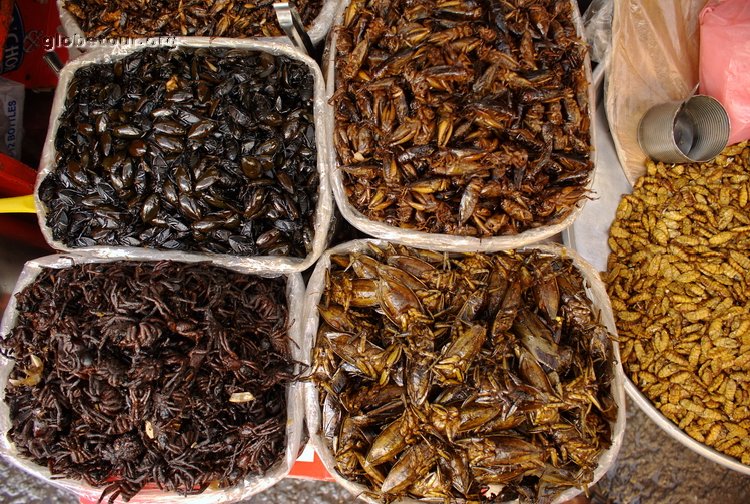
(438,241)
(654,59)
(295,292)
(725,61)
(597,23)
(323,210)
(596,291)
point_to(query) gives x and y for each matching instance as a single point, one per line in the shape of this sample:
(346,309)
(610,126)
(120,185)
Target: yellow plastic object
(19,204)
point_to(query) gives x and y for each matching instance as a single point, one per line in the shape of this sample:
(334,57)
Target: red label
(33,29)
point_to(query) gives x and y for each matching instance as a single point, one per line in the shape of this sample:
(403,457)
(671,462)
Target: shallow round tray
(588,235)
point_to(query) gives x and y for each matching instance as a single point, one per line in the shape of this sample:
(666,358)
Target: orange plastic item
(16,179)
(30,29)
(309,466)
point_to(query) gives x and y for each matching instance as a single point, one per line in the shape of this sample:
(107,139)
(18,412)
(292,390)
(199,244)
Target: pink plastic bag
(725,61)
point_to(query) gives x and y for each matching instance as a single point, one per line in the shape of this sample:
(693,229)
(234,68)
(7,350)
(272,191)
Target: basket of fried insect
(210,149)
(106,23)
(151,381)
(462,376)
(460,127)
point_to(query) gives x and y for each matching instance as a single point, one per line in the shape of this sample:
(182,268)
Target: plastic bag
(725,61)
(323,210)
(596,291)
(295,292)
(440,241)
(317,32)
(597,23)
(654,59)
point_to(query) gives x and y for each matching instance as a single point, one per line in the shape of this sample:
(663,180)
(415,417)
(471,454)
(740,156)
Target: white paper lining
(440,241)
(295,293)
(596,291)
(323,210)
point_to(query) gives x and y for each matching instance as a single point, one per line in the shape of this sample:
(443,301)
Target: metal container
(596,292)
(588,235)
(323,210)
(295,291)
(442,241)
(691,131)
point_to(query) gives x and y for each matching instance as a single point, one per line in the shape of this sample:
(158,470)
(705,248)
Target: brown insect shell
(596,291)
(323,210)
(440,241)
(295,292)
(317,32)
